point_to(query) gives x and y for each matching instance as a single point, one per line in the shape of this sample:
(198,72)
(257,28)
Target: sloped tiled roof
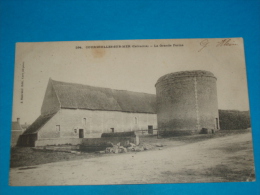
(78,96)
(16,126)
(81,96)
(38,123)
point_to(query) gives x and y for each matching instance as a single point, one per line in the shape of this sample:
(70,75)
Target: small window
(84,121)
(113,130)
(136,120)
(75,130)
(58,128)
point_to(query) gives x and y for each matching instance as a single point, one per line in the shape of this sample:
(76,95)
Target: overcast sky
(132,68)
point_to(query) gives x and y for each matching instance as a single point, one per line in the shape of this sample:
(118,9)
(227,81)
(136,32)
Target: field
(222,157)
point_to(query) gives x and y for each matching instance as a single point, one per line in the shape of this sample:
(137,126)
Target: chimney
(18,120)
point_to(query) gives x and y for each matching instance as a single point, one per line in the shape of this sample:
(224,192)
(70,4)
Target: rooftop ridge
(100,87)
(82,96)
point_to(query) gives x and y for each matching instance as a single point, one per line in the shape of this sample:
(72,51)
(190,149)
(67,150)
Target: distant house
(17,130)
(72,111)
(25,126)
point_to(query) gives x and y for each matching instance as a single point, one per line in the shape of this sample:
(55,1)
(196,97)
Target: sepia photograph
(130,112)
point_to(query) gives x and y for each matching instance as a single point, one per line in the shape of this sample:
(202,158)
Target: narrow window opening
(58,128)
(113,130)
(217,124)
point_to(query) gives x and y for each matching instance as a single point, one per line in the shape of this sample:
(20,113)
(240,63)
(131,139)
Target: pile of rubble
(129,148)
(123,147)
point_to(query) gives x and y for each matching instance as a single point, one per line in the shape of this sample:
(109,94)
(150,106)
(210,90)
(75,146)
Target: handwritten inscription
(226,42)
(204,43)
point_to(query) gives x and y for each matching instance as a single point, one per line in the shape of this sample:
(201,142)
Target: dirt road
(215,160)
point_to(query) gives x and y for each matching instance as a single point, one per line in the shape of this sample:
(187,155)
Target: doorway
(81,133)
(150,129)
(217,124)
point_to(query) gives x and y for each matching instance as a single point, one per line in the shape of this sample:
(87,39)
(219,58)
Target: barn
(72,111)
(185,103)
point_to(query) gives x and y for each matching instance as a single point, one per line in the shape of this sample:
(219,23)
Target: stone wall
(56,142)
(68,122)
(88,143)
(187,103)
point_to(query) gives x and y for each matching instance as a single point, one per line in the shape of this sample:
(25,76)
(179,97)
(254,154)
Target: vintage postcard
(131,112)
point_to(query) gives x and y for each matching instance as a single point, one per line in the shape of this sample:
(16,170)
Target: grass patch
(26,156)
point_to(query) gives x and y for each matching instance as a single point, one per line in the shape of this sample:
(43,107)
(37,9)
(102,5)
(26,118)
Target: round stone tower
(187,102)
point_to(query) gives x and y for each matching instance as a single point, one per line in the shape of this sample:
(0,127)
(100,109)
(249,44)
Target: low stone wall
(114,140)
(120,134)
(97,144)
(166,133)
(56,142)
(131,136)
(208,131)
(89,143)
(146,132)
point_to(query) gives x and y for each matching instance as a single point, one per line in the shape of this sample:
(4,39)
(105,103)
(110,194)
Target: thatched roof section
(80,96)
(38,123)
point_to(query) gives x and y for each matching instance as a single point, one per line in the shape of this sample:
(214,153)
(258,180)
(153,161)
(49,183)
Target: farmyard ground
(223,157)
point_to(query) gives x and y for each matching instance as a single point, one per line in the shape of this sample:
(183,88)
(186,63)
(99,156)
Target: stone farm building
(17,130)
(72,111)
(185,103)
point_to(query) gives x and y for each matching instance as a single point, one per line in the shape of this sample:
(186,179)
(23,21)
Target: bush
(234,119)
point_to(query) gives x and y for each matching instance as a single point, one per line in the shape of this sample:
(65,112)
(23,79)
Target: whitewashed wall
(97,122)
